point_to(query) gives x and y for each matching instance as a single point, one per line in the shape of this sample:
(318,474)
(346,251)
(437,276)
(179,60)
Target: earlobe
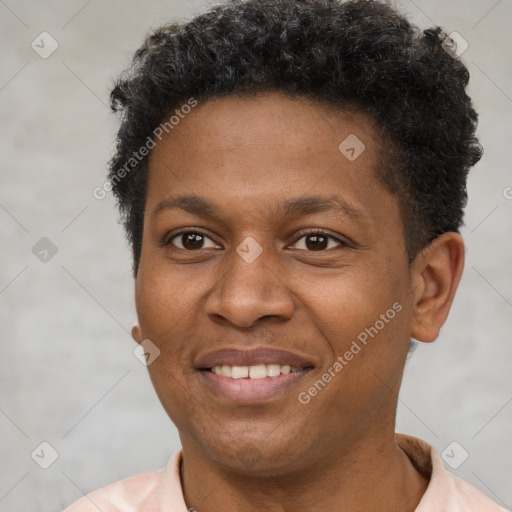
(136,333)
(436,275)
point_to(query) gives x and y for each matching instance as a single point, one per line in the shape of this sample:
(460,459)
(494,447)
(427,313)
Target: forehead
(298,126)
(255,151)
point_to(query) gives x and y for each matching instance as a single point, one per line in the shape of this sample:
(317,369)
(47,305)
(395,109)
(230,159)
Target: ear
(137,334)
(436,273)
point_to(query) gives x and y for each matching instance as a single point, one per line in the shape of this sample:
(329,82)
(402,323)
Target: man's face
(250,276)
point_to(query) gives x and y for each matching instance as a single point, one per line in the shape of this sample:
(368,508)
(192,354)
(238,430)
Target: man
(292,178)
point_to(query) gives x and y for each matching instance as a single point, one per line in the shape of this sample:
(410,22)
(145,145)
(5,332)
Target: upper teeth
(257,371)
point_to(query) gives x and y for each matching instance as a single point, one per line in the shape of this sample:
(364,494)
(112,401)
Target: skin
(246,155)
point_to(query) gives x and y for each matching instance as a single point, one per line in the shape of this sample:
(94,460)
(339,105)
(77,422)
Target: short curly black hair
(359,54)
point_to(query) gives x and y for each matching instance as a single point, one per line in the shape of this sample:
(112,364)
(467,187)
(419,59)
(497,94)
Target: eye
(190,240)
(318,240)
(193,239)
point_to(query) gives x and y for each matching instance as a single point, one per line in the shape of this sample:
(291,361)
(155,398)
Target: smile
(252,385)
(238,375)
(258,371)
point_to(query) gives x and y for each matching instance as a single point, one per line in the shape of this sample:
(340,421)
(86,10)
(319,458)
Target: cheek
(175,396)
(165,309)
(350,302)
(363,318)
(164,299)
(166,317)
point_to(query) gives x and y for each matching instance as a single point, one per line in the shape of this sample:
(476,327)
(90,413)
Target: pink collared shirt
(160,490)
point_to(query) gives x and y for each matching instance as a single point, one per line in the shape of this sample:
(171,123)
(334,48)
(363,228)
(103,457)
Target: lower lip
(247,391)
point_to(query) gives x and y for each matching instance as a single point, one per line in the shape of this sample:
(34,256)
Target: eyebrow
(296,206)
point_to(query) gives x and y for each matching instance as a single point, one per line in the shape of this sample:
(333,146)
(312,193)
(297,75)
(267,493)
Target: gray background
(69,376)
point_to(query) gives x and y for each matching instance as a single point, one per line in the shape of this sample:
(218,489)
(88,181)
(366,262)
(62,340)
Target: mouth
(252,376)
(258,371)
(244,389)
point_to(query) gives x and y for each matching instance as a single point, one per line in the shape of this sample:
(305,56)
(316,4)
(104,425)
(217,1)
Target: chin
(253,451)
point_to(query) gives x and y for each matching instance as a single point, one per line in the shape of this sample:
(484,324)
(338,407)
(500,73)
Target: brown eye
(190,240)
(317,241)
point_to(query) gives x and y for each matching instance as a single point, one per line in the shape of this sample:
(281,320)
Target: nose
(249,291)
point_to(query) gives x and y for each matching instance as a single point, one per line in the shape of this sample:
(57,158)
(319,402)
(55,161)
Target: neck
(365,474)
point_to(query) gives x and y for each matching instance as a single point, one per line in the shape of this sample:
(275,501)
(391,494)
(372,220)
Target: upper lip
(249,357)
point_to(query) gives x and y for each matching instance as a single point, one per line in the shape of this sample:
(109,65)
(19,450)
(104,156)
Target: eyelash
(318,231)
